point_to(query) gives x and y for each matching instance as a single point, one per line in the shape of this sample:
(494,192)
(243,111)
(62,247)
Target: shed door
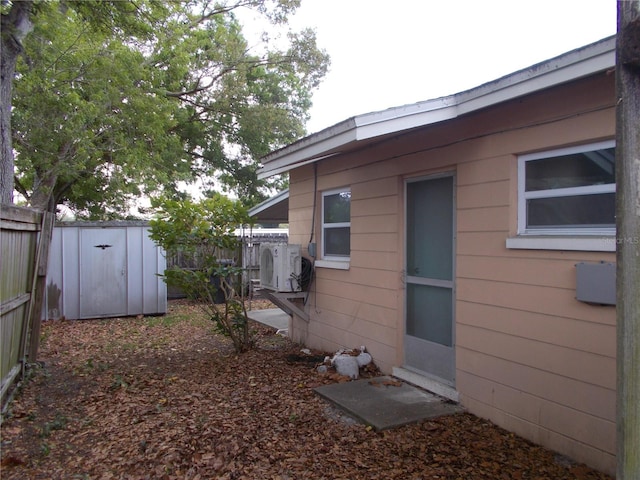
(429,324)
(103,272)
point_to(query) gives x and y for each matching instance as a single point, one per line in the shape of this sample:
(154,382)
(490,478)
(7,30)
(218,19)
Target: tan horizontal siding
(301,215)
(486,219)
(331,335)
(485,170)
(301,200)
(375,278)
(384,205)
(540,272)
(374,242)
(550,416)
(575,364)
(372,224)
(600,125)
(301,239)
(595,400)
(357,309)
(375,260)
(602,458)
(385,279)
(338,312)
(384,187)
(494,194)
(597,338)
(382,297)
(357,318)
(553,301)
(489,243)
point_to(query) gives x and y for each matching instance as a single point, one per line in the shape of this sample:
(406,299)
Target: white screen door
(430,249)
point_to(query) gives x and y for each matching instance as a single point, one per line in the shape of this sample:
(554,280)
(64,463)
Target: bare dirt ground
(166,398)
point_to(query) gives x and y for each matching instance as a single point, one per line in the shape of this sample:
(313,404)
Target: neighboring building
(447,236)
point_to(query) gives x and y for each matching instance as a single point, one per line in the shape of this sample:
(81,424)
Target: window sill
(338,265)
(572,243)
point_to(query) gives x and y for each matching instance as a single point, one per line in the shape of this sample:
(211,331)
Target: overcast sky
(386,53)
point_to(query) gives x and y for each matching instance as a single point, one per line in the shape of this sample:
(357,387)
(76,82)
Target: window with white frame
(336,224)
(568,191)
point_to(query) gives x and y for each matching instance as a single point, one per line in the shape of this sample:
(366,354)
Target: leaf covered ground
(166,398)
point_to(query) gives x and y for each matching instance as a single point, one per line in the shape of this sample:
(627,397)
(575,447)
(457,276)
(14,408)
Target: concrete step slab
(386,402)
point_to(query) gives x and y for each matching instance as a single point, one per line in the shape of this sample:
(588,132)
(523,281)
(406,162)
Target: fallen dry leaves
(165,398)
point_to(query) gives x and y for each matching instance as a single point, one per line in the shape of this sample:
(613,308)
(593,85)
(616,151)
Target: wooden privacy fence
(24,236)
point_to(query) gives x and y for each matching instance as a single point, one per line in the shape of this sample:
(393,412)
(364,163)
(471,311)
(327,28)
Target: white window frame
(582,239)
(333,261)
(560,192)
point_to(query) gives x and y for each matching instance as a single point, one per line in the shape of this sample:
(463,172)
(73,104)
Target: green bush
(202,235)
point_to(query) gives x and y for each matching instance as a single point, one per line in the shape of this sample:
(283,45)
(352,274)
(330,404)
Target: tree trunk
(43,197)
(15,26)
(628,238)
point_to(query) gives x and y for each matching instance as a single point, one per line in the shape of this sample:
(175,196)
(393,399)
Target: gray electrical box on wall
(596,283)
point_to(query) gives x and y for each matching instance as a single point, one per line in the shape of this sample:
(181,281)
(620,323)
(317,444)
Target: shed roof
(360,130)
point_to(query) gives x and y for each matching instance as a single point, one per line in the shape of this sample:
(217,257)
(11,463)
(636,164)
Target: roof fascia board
(263,173)
(560,74)
(424,113)
(316,148)
(570,66)
(269,202)
(340,131)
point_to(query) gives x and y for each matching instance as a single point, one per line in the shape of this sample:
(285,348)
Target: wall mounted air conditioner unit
(280,267)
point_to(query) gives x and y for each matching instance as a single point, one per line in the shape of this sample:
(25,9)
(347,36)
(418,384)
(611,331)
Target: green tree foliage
(200,236)
(115,16)
(109,107)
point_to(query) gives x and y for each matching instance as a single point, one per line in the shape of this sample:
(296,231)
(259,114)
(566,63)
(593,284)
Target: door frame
(407,180)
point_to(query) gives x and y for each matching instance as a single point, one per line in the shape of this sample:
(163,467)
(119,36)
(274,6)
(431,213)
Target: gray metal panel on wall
(52,305)
(135,270)
(154,289)
(71,273)
(596,283)
(147,290)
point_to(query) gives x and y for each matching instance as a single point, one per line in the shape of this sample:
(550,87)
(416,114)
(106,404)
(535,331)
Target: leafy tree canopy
(115,103)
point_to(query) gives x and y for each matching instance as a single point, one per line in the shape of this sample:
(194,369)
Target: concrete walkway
(272,317)
(386,402)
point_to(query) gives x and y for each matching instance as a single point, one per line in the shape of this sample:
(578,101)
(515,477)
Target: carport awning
(272,210)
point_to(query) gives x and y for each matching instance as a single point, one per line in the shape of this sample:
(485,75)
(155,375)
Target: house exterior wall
(529,356)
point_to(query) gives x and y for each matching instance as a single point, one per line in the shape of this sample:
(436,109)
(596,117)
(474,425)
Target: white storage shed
(104,269)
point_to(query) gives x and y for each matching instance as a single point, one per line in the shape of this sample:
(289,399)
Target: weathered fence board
(22,261)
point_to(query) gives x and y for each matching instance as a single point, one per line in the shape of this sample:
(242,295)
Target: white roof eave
(309,149)
(570,66)
(269,204)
